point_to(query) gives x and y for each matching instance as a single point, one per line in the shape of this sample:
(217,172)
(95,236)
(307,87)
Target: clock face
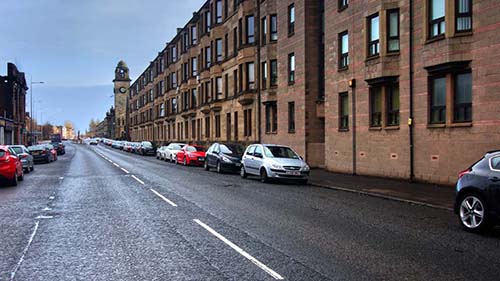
(123,90)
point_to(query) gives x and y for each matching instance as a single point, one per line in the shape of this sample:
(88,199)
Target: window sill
(394,127)
(342,8)
(291,34)
(433,126)
(375,129)
(460,125)
(434,39)
(463,33)
(271,133)
(372,57)
(291,83)
(343,69)
(291,132)
(343,130)
(393,53)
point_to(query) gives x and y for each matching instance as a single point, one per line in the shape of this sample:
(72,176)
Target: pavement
(425,194)
(103,214)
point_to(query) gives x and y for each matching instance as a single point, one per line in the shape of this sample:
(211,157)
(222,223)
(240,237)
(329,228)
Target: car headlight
(277,166)
(306,168)
(225,159)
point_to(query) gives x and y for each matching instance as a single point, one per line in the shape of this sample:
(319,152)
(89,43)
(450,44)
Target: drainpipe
(410,119)
(259,93)
(352,85)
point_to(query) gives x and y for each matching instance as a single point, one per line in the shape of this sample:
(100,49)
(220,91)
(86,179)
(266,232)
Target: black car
(224,157)
(59,147)
(41,153)
(477,201)
(146,148)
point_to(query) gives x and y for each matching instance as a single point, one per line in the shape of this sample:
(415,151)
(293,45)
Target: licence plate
(36,153)
(238,164)
(201,159)
(293,173)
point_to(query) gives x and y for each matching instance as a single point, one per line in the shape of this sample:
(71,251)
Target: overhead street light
(31,105)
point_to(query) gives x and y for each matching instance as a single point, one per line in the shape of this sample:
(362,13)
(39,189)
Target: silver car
(171,151)
(160,153)
(25,156)
(271,161)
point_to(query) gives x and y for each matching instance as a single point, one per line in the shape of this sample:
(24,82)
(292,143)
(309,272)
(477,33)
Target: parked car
(224,157)
(160,152)
(127,147)
(146,148)
(93,142)
(52,150)
(477,201)
(171,151)
(11,168)
(191,155)
(117,144)
(41,153)
(24,156)
(60,148)
(270,161)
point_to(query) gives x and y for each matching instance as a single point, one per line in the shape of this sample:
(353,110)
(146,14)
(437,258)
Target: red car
(11,168)
(191,155)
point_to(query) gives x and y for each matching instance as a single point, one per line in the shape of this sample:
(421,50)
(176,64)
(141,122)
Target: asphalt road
(102,214)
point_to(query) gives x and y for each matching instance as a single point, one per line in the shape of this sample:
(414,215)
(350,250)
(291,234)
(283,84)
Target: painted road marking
(18,265)
(125,170)
(44,217)
(116,165)
(164,199)
(137,179)
(240,251)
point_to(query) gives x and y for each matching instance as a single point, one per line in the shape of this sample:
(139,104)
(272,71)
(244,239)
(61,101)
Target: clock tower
(121,92)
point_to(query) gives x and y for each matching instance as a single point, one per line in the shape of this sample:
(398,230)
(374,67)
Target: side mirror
(258,155)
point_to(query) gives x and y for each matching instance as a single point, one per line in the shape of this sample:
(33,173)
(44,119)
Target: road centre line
(164,199)
(240,251)
(125,171)
(137,179)
(116,165)
(18,265)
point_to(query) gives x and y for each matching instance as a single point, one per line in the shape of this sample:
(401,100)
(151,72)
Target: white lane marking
(110,161)
(240,251)
(164,198)
(18,265)
(52,197)
(137,179)
(116,165)
(44,217)
(61,178)
(125,170)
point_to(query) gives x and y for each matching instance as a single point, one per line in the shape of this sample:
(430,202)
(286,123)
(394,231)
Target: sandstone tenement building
(404,89)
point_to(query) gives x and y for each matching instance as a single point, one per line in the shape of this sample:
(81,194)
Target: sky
(73,46)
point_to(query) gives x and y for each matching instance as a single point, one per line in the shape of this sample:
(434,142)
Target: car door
(249,160)
(494,182)
(258,158)
(209,156)
(214,156)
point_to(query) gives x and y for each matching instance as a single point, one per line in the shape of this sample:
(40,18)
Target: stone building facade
(120,90)
(13,89)
(392,88)
(412,86)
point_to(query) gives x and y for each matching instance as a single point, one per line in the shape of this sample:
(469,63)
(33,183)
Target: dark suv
(146,148)
(477,201)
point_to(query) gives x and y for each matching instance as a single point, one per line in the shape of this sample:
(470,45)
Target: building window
(436,18)
(235,41)
(271,118)
(393,30)
(193,129)
(208,56)
(185,99)
(186,129)
(235,82)
(344,111)
(343,50)
(263,32)
(291,20)
(374,36)
(207,21)
(218,11)
(250,76)
(174,53)
(194,97)
(376,106)
(274,73)
(250,27)
(291,68)
(236,126)
(247,122)
(226,45)
(162,110)
(218,49)
(438,100)
(463,15)
(291,117)
(274,27)
(194,66)
(343,4)
(218,85)
(462,108)
(207,127)
(194,35)
(264,75)
(217,126)
(228,126)
(392,92)
(226,85)
(161,87)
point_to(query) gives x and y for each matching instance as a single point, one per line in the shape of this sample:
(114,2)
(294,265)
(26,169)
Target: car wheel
(14,180)
(175,160)
(184,162)
(205,165)
(26,171)
(243,173)
(219,168)
(263,175)
(32,167)
(21,177)
(473,213)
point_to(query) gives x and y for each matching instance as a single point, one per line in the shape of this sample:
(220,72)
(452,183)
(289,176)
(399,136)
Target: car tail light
(7,159)
(44,152)
(24,156)
(463,173)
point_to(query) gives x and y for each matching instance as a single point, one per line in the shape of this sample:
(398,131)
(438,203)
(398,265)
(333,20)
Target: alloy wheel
(472,212)
(243,173)
(184,161)
(219,168)
(205,165)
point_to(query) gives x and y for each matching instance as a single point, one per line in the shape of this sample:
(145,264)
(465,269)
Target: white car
(160,153)
(171,151)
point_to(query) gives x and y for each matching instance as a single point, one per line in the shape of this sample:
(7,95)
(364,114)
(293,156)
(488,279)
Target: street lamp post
(31,105)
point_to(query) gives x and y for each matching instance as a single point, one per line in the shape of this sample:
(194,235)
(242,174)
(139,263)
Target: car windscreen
(175,147)
(234,150)
(280,152)
(194,148)
(147,144)
(18,150)
(36,147)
